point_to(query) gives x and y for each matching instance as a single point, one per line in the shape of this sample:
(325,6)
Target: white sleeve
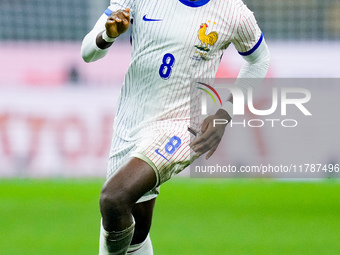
(247,34)
(252,73)
(249,41)
(254,70)
(89,50)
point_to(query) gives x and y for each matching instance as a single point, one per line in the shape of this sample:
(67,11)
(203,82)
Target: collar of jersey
(194,3)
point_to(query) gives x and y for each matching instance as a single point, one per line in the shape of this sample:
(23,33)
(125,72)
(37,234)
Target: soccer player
(173,41)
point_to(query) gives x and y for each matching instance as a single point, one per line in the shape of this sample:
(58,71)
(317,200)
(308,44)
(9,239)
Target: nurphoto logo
(280,100)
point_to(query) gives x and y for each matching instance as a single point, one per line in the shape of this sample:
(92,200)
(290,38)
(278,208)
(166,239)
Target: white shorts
(163,145)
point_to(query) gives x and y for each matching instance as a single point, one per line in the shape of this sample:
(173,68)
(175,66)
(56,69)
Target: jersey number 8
(166,66)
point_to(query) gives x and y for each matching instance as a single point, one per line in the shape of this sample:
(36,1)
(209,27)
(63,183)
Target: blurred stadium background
(56,116)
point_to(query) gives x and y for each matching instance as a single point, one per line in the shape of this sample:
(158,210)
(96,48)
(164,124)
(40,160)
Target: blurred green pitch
(192,216)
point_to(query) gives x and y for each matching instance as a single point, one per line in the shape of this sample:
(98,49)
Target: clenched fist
(118,22)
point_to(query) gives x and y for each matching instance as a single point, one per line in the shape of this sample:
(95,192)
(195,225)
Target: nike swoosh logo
(147,19)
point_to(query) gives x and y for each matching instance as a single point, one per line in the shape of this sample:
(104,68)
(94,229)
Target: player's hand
(118,22)
(210,136)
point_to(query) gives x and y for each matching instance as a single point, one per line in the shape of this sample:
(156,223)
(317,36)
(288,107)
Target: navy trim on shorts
(247,53)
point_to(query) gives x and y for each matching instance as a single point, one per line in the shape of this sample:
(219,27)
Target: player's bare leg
(141,242)
(118,203)
(142,212)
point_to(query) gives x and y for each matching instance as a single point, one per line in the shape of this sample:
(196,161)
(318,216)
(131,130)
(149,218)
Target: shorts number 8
(173,144)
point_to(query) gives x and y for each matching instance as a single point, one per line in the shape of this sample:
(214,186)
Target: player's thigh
(166,149)
(131,181)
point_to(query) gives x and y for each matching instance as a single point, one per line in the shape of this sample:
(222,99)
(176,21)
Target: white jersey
(173,42)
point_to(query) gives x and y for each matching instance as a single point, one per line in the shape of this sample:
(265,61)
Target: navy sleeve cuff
(254,48)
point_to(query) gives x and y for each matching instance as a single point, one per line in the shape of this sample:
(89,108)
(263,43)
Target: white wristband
(107,38)
(228,107)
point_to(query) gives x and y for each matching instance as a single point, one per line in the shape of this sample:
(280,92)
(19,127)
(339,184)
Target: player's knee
(114,202)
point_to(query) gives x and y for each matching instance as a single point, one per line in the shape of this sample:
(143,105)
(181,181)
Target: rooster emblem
(206,40)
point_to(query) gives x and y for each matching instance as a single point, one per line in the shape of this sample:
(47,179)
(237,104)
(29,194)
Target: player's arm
(108,27)
(252,72)
(250,43)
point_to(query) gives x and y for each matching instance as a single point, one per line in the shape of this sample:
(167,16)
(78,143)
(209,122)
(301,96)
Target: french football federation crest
(206,39)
